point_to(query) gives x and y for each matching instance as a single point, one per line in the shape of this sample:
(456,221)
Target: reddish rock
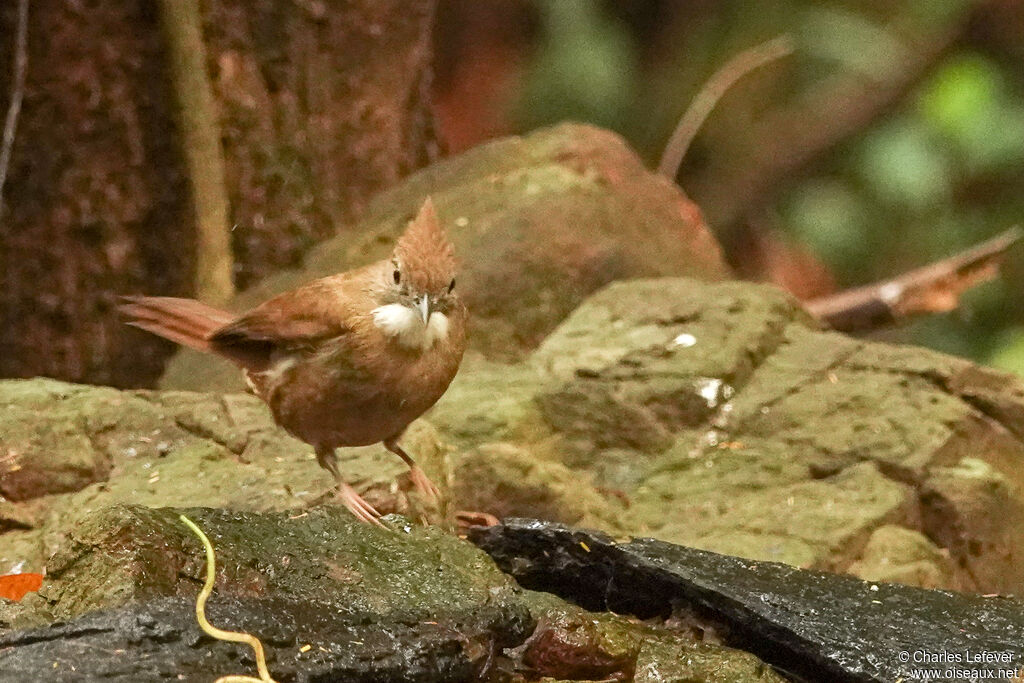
(539,222)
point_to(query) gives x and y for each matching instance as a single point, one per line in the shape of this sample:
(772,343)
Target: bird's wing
(291,322)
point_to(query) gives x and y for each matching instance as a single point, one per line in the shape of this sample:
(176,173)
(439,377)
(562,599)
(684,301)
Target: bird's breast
(353,395)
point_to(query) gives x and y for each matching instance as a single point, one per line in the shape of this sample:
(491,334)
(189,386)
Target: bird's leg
(419,478)
(352,500)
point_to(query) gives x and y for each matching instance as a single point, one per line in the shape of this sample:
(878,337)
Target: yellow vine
(220,634)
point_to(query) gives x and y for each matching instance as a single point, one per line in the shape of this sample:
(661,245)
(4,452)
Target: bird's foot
(464,519)
(423,484)
(357,505)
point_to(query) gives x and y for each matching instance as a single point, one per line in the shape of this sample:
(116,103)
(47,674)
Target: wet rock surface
(323,555)
(405,603)
(332,599)
(822,627)
(571,643)
(160,640)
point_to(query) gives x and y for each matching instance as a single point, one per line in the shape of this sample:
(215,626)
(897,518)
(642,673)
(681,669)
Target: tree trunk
(324,104)
(321,106)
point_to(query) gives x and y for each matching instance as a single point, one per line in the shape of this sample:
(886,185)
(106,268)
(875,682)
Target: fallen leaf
(15,586)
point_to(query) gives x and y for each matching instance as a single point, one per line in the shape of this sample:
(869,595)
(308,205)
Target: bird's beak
(423,306)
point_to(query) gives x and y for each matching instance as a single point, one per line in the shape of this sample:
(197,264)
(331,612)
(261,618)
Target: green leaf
(584,69)
(830,218)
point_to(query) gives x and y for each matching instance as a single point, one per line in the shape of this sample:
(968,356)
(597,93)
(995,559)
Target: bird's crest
(423,252)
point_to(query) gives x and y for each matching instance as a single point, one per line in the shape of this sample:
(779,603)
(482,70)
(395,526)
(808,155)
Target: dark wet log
(823,627)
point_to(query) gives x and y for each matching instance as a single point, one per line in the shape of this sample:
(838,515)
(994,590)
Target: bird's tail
(185,321)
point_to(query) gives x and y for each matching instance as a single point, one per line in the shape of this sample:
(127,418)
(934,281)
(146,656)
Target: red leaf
(15,586)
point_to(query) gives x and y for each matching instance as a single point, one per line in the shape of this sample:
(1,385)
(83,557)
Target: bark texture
(95,200)
(321,106)
(324,104)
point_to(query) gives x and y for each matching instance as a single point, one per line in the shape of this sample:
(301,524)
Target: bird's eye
(397,275)
(451,286)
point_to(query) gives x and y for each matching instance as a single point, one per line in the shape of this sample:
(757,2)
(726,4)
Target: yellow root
(220,634)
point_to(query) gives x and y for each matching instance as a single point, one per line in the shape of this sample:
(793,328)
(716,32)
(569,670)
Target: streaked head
(418,291)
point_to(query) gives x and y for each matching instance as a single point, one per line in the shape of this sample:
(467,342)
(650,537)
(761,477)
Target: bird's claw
(358,506)
(464,519)
(422,482)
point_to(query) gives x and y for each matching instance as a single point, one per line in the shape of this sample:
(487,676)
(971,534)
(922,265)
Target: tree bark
(324,104)
(94,202)
(321,105)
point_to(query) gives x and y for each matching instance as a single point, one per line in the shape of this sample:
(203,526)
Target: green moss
(900,555)
(323,555)
(765,515)
(171,449)
(512,482)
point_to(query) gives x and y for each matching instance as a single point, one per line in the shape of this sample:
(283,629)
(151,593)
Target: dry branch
(709,95)
(794,137)
(201,147)
(935,288)
(17,94)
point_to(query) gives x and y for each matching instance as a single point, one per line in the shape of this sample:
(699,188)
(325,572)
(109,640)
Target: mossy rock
(508,481)
(896,554)
(170,449)
(571,643)
(539,222)
(716,415)
(324,556)
(128,575)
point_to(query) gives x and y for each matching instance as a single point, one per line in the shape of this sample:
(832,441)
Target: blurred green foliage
(969,104)
(1008,353)
(939,172)
(584,67)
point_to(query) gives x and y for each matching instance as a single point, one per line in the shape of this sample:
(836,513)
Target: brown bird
(347,360)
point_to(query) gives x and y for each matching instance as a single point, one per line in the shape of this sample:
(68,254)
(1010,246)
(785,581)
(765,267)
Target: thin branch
(791,139)
(201,147)
(715,87)
(935,288)
(17,94)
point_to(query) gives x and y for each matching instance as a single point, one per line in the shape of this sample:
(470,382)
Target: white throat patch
(406,326)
